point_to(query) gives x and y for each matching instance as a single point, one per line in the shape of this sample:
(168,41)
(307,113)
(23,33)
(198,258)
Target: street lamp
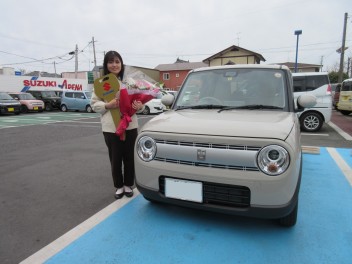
(297,33)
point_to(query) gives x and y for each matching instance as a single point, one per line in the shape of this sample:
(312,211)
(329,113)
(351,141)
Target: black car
(50,98)
(9,105)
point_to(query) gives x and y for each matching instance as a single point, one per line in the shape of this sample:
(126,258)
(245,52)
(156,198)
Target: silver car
(232,147)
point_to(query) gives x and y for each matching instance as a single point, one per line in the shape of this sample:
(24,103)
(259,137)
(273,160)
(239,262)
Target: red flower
(126,108)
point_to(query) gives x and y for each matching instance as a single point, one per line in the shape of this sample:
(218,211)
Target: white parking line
(346,170)
(57,245)
(307,134)
(340,131)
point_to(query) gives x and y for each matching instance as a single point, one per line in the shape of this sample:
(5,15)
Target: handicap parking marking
(144,232)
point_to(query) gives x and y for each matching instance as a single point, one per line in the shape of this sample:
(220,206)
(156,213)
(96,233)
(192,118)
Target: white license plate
(184,190)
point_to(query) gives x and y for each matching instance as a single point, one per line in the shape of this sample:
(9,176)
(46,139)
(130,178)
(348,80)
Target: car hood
(14,102)
(235,123)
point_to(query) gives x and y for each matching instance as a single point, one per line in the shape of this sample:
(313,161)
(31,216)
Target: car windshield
(89,95)
(5,96)
(49,94)
(26,96)
(233,88)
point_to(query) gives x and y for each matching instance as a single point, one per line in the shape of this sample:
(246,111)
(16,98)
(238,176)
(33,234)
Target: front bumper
(232,208)
(10,109)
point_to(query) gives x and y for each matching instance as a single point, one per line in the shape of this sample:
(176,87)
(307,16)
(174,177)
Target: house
(302,67)
(234,55)
(172,75)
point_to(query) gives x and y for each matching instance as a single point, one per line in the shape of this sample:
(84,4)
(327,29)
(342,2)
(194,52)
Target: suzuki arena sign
(12,83)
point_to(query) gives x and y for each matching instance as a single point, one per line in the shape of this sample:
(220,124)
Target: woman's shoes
(119,193)
(128,191)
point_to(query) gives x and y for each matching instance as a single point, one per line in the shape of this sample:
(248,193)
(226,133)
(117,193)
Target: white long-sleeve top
(107,122)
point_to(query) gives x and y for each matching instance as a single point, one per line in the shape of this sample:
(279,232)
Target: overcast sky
(40,34)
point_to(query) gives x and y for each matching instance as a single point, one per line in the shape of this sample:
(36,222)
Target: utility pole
(95,59)
(343,49)
(55,68)
(76,61)
(321,63)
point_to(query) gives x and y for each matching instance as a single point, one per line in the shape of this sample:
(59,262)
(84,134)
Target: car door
(79,101)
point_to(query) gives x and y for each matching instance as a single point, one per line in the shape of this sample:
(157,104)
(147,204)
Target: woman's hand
(137,105)
(114,103)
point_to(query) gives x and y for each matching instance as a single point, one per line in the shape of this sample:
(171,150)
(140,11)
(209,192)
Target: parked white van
(317,84)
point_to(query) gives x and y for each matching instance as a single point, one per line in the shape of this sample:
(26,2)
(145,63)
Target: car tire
(344,112)
(89,109)
(146,110)
(311,121)
(24,109)
(63,108)
(48,107)
(290,219)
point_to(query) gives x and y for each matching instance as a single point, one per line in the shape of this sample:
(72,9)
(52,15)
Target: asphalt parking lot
(55,176)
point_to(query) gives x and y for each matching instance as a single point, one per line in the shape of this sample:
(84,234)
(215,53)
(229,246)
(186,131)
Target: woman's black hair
(109,56)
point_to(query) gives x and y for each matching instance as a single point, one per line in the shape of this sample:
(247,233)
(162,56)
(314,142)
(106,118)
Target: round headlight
(273,160)
(146,148)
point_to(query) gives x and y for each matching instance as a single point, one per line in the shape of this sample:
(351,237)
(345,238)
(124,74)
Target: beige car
(229,144)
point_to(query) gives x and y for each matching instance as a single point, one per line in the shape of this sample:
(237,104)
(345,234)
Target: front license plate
(35,107)
(184,190)
(10,109)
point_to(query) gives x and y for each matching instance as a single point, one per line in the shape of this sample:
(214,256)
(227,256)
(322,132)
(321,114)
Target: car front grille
(220,194)
(167,150)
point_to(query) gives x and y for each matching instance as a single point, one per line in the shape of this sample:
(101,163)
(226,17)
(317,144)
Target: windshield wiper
(251,107)
(205,106)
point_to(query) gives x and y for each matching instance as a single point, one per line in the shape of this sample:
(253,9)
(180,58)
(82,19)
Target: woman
(119,151)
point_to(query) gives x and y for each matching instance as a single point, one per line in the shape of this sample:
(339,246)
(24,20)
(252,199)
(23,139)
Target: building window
(177,75)
(166,76)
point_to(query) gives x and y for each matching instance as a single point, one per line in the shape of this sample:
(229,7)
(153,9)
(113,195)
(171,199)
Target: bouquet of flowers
(130,91)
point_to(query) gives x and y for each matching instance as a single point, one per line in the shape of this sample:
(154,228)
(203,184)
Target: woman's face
(114,66)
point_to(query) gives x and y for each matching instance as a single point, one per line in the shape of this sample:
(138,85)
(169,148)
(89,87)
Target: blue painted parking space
(142,232)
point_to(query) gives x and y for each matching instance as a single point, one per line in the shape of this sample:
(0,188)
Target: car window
(309,83)
(89,95)
(346,87)
(5,96)
(69,95)
(26,96)
(299,84)
(79,95)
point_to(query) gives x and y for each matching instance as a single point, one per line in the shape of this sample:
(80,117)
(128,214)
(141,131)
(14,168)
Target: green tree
(334,76)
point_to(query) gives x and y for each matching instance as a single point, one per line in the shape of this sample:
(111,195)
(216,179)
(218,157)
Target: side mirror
(167,99)
(305,101)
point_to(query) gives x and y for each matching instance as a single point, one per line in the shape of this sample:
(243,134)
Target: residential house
(302,67)
(172,75)
(234,55)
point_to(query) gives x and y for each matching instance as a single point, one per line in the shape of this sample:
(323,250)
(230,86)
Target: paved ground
(46,191)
